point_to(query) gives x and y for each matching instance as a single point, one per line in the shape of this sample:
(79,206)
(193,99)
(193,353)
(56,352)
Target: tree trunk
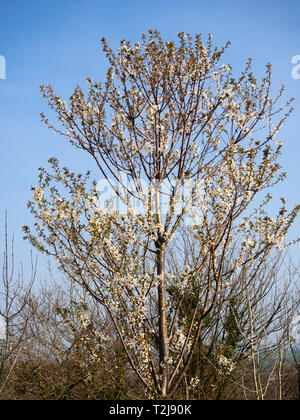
(163,329)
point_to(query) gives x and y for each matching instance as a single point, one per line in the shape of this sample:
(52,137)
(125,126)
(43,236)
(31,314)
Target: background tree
(65,356)
(14,298)
(176,135)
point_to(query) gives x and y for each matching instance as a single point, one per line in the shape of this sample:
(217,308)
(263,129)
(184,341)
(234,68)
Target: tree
(180,139)
(14,299)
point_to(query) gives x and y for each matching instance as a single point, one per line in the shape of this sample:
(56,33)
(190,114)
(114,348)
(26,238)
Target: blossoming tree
(180,142)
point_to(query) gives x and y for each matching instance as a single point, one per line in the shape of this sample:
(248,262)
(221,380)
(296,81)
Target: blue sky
(58,42)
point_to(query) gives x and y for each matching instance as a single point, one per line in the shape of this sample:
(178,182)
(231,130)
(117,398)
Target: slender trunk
(162,304)
(163,329)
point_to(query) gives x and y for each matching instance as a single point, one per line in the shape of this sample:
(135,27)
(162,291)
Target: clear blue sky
(58,42)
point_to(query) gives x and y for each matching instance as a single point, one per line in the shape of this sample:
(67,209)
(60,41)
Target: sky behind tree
(58,42)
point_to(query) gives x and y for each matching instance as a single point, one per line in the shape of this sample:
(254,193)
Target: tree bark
(163,328)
